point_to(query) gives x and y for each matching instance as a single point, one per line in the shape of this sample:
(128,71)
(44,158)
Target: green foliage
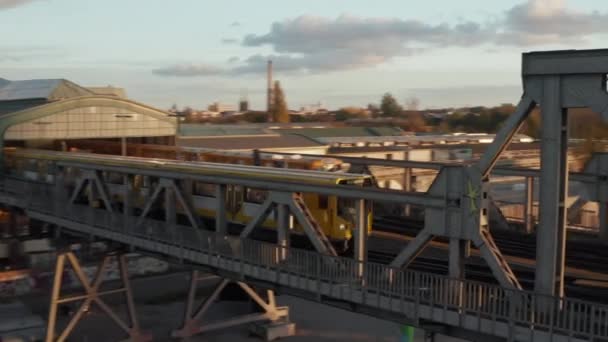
(279,110)
(477,119)
(258,117)
(348,113)
(531,126)
(373,109)
(389,105)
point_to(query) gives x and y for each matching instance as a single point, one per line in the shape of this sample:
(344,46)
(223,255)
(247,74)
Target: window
(113,177)
(323,202)
(204,189)
(256,196)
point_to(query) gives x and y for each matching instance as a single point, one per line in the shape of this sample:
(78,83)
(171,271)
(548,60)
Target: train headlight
(342,226)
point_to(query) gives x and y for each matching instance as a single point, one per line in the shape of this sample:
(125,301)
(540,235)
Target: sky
(337,52)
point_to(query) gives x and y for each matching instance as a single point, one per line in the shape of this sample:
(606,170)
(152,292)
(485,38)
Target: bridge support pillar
(551,232)
(283,230)
(529,206)
(407,186)
(279,326)
(360,235)
(92,294)
(220,210)
(459,251)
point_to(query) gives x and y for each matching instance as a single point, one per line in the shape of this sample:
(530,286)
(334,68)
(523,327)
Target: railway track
(590,288)
(585,257)
(590,255)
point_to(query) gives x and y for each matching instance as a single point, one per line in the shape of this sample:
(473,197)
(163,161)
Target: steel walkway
(405,296)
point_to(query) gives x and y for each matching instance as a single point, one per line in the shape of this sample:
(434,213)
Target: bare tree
(412,103)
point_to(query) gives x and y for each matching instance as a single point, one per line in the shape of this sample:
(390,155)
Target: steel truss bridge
(456,208)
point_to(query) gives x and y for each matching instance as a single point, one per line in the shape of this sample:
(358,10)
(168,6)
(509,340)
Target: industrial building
(35,112)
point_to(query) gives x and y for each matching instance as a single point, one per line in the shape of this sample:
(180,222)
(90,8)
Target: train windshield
(361,181)
(346,206)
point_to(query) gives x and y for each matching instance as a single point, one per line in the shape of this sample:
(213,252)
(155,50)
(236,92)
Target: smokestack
(269,91)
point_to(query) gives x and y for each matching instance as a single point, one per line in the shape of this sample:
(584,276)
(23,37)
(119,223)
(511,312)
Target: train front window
(363,181)
(346,208)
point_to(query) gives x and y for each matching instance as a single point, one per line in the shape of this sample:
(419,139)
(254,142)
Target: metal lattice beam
(92,295)
(194,323)
(504,136)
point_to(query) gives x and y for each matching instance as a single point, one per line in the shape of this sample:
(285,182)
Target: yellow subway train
(335,215)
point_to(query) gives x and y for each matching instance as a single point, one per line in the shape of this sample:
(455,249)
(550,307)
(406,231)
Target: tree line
(583,123)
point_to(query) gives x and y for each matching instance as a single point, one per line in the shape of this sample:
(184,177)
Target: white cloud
(188,70)
(4,4)
(538,22)
(29,53)
(314,44)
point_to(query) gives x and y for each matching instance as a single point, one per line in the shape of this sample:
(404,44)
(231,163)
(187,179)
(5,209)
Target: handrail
(337,276)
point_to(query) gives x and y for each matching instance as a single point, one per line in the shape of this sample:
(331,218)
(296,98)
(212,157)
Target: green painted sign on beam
(407,334)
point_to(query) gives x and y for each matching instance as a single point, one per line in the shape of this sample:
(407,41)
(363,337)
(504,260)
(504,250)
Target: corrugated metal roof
(28,89)
(49,89)
(252,142)
(193,130)
(344,132)
(7,107)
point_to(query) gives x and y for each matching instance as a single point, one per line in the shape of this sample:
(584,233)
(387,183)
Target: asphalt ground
(160,302)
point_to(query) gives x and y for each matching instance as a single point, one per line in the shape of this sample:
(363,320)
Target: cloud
(314,44)
(28,53)
(320,44)
(189,70)
(229,41)
(5,4)
(315,63)
(235,24)
(311,34)
(233,59)
(539,22)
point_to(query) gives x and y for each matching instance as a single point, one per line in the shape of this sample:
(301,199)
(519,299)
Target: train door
(234,199)
(323,212)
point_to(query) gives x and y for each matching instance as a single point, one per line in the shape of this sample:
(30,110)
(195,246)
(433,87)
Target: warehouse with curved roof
(34,112)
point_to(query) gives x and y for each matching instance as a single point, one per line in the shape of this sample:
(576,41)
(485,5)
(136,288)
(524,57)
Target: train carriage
(334,215)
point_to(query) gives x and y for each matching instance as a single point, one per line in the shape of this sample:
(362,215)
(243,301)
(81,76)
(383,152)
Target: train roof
(427,139)
(202,168)
(263,154)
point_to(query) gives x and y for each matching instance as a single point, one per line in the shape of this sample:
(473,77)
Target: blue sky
(340,52)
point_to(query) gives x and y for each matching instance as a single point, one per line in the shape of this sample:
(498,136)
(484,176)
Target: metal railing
(464,303)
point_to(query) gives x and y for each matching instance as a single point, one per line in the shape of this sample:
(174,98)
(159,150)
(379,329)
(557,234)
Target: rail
(512,314)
